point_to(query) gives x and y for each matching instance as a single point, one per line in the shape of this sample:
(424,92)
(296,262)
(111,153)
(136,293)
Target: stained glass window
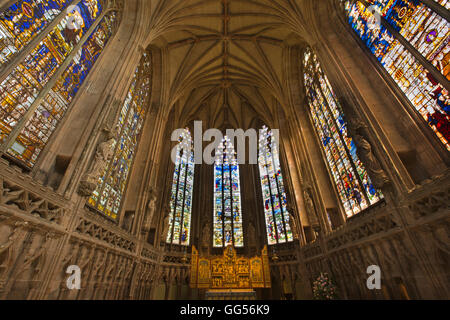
(23,21)
(353,184)
(34,136)
(228,228)
(30,109)
(429,35)
(182,188)
(107,198)
(274,194)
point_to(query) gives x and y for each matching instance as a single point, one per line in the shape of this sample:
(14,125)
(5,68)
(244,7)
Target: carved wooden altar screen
(230,271)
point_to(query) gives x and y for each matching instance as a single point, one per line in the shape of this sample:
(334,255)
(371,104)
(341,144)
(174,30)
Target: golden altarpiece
(230,275)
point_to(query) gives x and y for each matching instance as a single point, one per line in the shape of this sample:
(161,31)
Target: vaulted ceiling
(225,53)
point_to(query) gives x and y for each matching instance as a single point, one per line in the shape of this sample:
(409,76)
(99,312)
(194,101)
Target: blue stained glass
(227,217)
(46,118)
(23,21)
(182,191)
(429,34)
(21,88)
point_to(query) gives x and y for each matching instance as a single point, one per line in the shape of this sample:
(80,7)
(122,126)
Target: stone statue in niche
(293,223)
(103,155)
(358,131)
(150,210)
(165,225)
(128,221)
(310,208)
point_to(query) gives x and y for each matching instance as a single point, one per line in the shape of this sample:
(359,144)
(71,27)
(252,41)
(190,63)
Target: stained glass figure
(39,128)
(23,21)
(26,99)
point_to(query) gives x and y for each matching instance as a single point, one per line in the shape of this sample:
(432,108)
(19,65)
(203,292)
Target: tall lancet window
(182,189)
(274,194)
(412,44)
(228,228)
(39,82)
(353,184)
(107,198)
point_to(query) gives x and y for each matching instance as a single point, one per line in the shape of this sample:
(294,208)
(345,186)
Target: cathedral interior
(106,112)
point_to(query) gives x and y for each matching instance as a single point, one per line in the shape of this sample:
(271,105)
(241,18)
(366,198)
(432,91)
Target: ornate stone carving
(434,202)
(103,155)
(94,230)
(15,196)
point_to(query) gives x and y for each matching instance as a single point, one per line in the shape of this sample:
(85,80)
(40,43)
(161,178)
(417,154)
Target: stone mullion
(436,7)
(9,141)
(5,4)
(9,66)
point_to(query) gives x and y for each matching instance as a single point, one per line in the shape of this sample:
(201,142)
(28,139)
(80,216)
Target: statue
(128,222)
(166,225)
(293,223)
(150,210)
(357,130)
(103,155)
(310,208)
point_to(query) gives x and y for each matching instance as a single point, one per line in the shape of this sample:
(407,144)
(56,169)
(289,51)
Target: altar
(230,277)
